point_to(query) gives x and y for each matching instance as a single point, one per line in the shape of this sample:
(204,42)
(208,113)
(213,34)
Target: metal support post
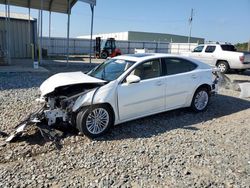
(9,41)
(68,25)
(38,36)
(49,29)
(41,34)
(29,35)
(6,33)
(91,32)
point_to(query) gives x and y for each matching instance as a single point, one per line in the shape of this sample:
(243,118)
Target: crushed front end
(57,100)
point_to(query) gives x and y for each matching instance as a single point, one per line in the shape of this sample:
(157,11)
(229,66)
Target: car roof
(147,56)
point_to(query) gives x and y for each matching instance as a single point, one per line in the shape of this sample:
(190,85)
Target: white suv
(224,56)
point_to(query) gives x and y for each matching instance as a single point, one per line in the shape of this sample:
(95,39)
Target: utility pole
(190,27)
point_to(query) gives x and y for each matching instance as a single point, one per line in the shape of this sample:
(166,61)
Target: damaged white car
(121,89)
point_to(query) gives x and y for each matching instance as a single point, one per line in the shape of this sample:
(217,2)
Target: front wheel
(200,100)
(95,121)
(104,55)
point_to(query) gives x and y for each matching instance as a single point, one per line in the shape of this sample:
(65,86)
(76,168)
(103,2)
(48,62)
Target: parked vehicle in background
(224,56)
(106,48)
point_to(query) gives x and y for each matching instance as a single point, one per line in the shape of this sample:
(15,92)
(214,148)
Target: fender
(103,94)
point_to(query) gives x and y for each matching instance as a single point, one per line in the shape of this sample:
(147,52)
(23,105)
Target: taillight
(242,58)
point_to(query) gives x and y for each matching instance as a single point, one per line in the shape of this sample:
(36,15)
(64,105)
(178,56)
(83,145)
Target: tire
(223,66)
(95,121)
(200,99)
(104,55)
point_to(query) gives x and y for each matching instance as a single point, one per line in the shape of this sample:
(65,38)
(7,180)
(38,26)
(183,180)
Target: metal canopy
(60,6)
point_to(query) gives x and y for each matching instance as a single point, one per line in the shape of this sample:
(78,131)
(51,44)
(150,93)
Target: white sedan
(125,88)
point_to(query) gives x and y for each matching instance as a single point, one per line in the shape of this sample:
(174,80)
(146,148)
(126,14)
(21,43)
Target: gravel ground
(173,149)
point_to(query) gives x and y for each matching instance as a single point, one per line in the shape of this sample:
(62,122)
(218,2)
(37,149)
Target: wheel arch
(207,86)
(190,98)
(222,60)
(96,104)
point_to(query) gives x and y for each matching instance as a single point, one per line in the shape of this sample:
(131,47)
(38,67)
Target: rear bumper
(245,65)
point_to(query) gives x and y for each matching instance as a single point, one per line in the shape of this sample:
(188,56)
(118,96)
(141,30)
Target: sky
(214,20)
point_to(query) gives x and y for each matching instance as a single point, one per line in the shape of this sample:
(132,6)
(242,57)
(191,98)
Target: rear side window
(226,47)
(210,49)
(177,65)
(198,49)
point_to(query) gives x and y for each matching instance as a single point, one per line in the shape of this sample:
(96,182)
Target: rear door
(181,81)
(145,97)
(209,55)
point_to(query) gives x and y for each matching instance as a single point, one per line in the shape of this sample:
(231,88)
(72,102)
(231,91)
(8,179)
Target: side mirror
(133,79)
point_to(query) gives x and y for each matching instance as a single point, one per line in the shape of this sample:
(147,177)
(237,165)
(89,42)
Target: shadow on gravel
(53,135)
(220,106)
(147,127)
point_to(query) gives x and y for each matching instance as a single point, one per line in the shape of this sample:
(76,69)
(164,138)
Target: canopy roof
(60,6)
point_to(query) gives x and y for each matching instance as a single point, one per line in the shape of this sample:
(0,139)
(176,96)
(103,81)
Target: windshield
(111,69)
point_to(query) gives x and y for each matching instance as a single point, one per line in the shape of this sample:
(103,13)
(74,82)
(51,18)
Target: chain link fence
(58,46)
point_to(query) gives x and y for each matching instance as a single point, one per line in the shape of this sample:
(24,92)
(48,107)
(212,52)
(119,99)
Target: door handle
(194,76)
(159,83)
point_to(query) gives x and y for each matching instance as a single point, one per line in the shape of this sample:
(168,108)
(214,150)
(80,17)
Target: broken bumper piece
(33,118)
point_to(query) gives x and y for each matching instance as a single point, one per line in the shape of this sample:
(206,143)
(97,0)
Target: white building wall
(117,36)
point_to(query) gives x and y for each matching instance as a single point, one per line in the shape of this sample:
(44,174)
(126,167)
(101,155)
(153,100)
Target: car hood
(66,79)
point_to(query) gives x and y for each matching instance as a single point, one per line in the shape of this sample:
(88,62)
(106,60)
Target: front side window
(147,70)
(210,49)
(198,49)
(111,69)
(176,66)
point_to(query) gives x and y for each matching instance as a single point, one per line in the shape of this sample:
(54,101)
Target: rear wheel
(200,99)
(95,121)
(223,66)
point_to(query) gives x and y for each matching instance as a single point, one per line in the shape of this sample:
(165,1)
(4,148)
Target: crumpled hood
(64,79)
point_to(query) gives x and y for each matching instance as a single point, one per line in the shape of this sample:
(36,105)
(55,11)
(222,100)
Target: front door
(145,97)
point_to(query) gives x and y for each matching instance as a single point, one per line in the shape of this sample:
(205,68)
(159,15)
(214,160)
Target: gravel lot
(173,149)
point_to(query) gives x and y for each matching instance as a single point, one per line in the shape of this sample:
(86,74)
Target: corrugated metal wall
(58,46)
(19,47)
(145,36)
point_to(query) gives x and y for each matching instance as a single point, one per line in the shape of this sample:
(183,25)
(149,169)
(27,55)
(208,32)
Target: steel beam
(68,25)
(50,4)
(6,33)
(91,32)
(41,34)
(9,41)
